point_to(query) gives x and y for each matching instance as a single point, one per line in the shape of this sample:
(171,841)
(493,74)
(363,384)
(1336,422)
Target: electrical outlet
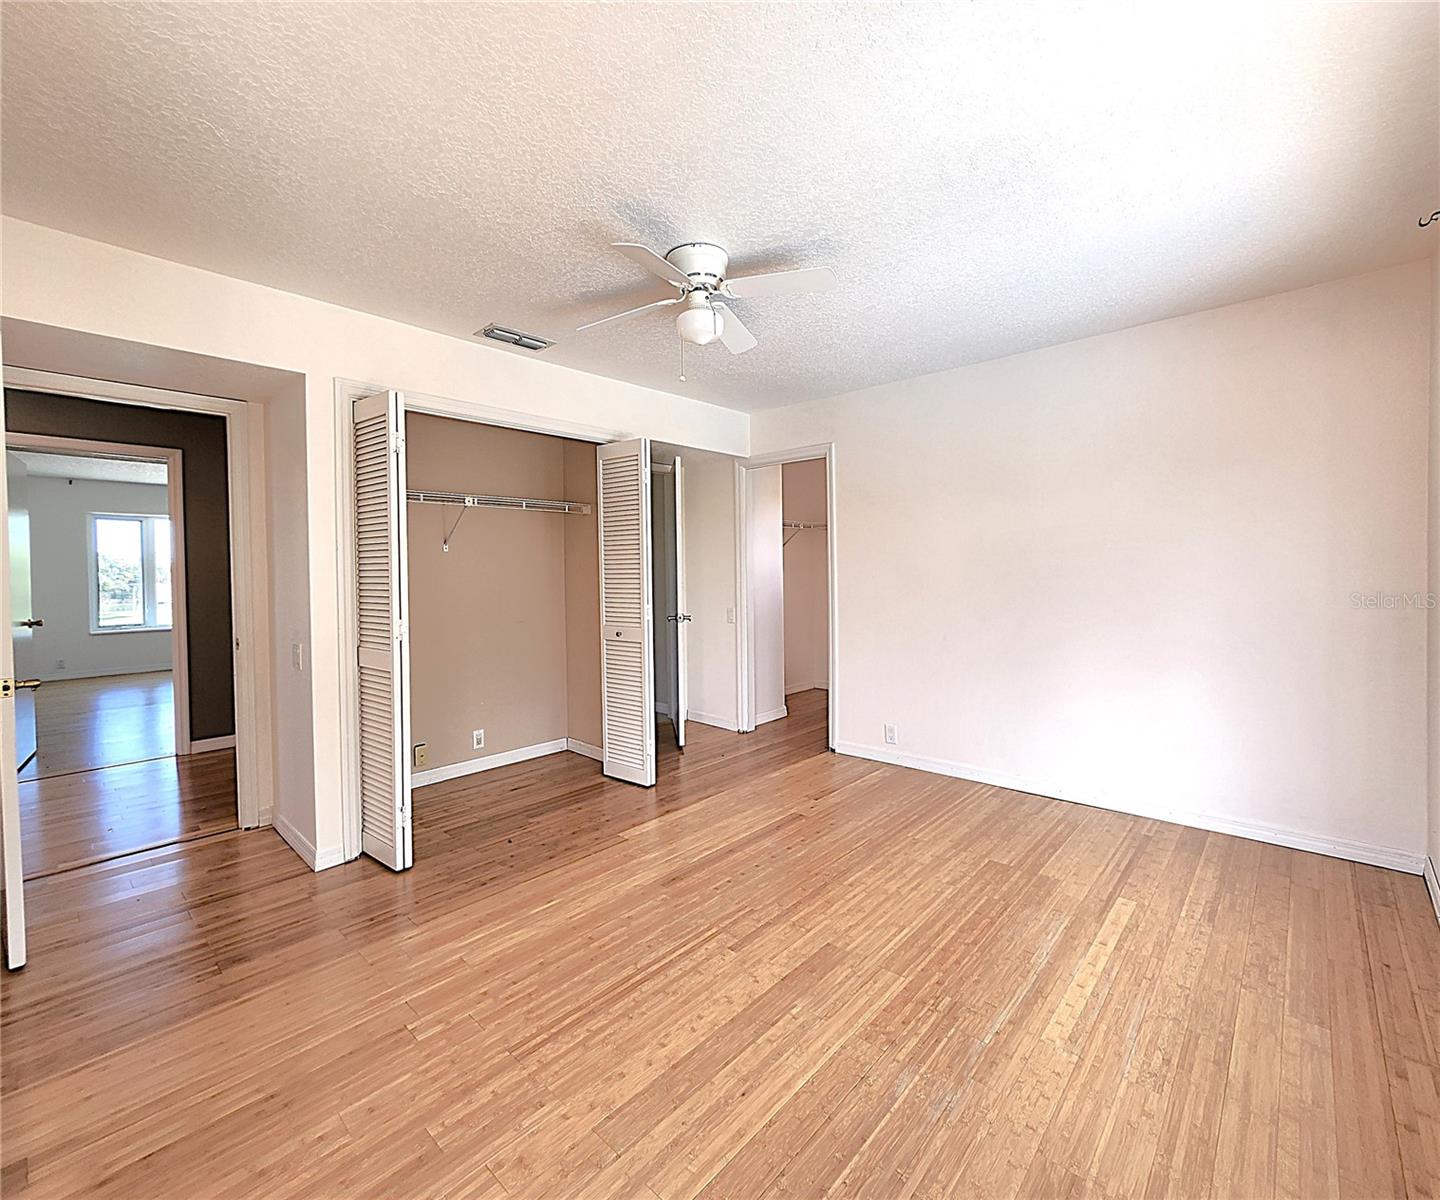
(421,754)
(477,739)
(297,655)
(60,664)
(730,616)
(892,737)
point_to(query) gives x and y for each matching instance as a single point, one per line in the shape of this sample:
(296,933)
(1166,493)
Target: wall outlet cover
(892,736)
(421,754)
(478,739)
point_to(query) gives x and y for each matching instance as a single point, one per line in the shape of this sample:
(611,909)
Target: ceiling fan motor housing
(704,262)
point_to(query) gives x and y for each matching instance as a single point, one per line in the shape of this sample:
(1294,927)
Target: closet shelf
(417,496)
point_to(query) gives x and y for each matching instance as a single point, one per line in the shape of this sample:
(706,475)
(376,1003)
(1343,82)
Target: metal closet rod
(527,504)
(802,525)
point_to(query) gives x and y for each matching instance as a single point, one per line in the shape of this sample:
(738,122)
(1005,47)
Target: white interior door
(13,899)
(23,621)
(627,650)
(382,640)
(681,710)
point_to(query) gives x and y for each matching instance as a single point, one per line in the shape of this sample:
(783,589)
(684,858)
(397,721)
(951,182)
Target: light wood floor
(81,724)
(782,972)
(70,820)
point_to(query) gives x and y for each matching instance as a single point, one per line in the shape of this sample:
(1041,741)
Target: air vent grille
(513,337)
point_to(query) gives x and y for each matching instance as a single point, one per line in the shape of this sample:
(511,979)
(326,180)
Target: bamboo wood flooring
(782,972)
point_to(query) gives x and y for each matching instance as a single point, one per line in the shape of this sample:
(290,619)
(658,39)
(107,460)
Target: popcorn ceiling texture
(985,179)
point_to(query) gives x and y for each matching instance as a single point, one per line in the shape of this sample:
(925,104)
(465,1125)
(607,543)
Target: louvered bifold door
(627,651)
(381,653)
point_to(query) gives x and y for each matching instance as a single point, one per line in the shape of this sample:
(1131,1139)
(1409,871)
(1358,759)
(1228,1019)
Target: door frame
(347,391)
(249,583)
(744,625)
(173,458)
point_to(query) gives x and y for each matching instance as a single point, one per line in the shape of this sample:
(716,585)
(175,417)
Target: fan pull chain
(682,360)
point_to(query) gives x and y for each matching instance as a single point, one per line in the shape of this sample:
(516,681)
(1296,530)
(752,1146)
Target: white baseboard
(1432,884)
(487,762)
(774,714)
(205,745)
(792,688)
(713,719)
(316,860)
(585,748)
(1361,852)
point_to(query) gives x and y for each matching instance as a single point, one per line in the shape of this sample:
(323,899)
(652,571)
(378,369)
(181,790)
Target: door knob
(32,623)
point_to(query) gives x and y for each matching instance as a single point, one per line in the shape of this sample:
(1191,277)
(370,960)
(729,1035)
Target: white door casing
(382,640)
(627,651)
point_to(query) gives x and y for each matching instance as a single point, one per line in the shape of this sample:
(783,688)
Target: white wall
(1121,570)
(60,582)
(765,578)
(57,279)
(293,744)
(710,588)
(807,588)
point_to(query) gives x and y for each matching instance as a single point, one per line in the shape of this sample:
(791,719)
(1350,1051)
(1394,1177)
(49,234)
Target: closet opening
(502,605)
(787,556)
(667,522)
(502,559)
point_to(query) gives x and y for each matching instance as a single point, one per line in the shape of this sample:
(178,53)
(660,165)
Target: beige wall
(582,599)
(1121,570)
(807,604)
(488,617)
(1433,616)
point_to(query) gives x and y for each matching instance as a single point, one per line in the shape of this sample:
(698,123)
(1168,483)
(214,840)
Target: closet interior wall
(504,625)
(806,576)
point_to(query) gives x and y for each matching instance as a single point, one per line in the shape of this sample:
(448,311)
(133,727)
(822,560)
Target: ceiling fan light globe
(700,325)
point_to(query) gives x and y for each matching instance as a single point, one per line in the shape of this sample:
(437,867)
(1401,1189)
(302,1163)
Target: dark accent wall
(201,439)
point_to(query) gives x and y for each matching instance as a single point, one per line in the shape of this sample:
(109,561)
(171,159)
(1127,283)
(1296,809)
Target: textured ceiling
(76,466)
(985,178)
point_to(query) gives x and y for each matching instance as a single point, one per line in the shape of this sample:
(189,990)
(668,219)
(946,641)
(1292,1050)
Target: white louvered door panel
(382,644)
(627,651)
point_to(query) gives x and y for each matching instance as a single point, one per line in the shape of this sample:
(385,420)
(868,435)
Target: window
(130,560)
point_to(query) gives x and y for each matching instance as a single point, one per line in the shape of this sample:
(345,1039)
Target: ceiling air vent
(513,337)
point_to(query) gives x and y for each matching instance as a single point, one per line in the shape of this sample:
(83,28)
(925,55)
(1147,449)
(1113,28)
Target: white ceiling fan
(697,269)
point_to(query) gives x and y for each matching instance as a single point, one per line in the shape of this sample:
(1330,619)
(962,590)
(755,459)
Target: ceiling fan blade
(735,337)
(643,256)
(781,283)
(629,312)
